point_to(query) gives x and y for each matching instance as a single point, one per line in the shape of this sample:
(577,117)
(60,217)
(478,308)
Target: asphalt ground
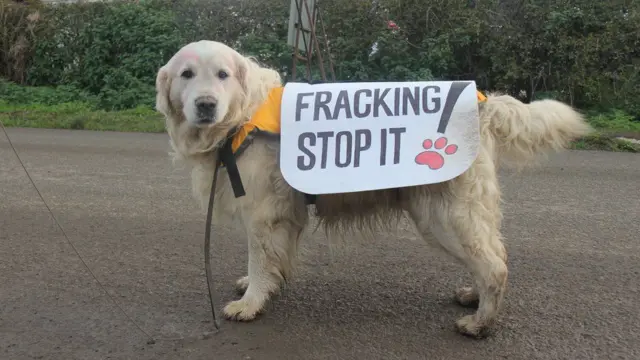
(571,228)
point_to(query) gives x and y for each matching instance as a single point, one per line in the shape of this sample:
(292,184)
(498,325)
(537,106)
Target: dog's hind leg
(419,211)
(470,235)
(466,296)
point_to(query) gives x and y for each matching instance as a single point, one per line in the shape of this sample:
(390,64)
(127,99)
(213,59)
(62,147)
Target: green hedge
(581,51)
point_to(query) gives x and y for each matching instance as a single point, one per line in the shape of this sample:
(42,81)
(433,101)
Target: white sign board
(349,137)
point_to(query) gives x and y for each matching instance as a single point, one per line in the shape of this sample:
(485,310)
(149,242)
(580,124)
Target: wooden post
(304,28)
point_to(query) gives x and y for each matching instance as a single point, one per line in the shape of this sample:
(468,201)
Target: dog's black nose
(206,107)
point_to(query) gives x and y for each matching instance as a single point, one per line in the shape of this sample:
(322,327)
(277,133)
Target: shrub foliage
(581,51)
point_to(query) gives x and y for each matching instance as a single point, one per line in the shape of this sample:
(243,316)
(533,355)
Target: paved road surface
(572,228)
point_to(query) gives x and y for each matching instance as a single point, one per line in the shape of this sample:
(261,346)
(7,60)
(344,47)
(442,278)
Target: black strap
(229,160)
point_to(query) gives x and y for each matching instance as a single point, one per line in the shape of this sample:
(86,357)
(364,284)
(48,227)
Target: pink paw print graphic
(434,158)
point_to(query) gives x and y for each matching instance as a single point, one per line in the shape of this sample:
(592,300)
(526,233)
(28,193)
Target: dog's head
(206,84)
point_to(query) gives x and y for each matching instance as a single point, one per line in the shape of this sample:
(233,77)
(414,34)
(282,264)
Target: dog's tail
(521,131)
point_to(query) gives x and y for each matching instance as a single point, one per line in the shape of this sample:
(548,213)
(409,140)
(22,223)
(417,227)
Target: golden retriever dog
(207,88)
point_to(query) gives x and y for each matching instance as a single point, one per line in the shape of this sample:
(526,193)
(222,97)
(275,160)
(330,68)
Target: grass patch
(608,127)
(80,116)
(614,121)
(599,141)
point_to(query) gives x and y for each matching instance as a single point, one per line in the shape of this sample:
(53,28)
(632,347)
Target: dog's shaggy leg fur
(272,248)
(275,217)
(464,217)
(486,263)
(242,284)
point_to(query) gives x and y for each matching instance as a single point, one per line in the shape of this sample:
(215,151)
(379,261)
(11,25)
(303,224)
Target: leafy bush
(584,52)
(121,90)
(43,95)
(111,50)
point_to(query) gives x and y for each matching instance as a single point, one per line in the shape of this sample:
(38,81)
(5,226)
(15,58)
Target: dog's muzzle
(206,109)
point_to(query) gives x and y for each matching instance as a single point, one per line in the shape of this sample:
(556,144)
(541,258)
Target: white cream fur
(463,214)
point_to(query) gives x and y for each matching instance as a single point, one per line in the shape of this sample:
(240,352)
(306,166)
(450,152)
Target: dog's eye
(187,74)
(222,74)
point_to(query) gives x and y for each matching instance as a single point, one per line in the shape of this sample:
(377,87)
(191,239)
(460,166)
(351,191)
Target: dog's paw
(242,284)
(469,326)
(467,297)
(242,310)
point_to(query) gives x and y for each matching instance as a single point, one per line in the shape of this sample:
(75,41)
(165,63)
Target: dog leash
(207,243)
(225,156)
(150,339)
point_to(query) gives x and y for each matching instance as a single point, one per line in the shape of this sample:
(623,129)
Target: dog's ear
(162,91)
(256,81)
(244,72)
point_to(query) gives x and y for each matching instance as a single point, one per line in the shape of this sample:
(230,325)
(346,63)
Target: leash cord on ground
(207,242)
(6,134)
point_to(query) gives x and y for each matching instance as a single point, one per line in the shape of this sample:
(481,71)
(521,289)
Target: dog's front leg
(272,249)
